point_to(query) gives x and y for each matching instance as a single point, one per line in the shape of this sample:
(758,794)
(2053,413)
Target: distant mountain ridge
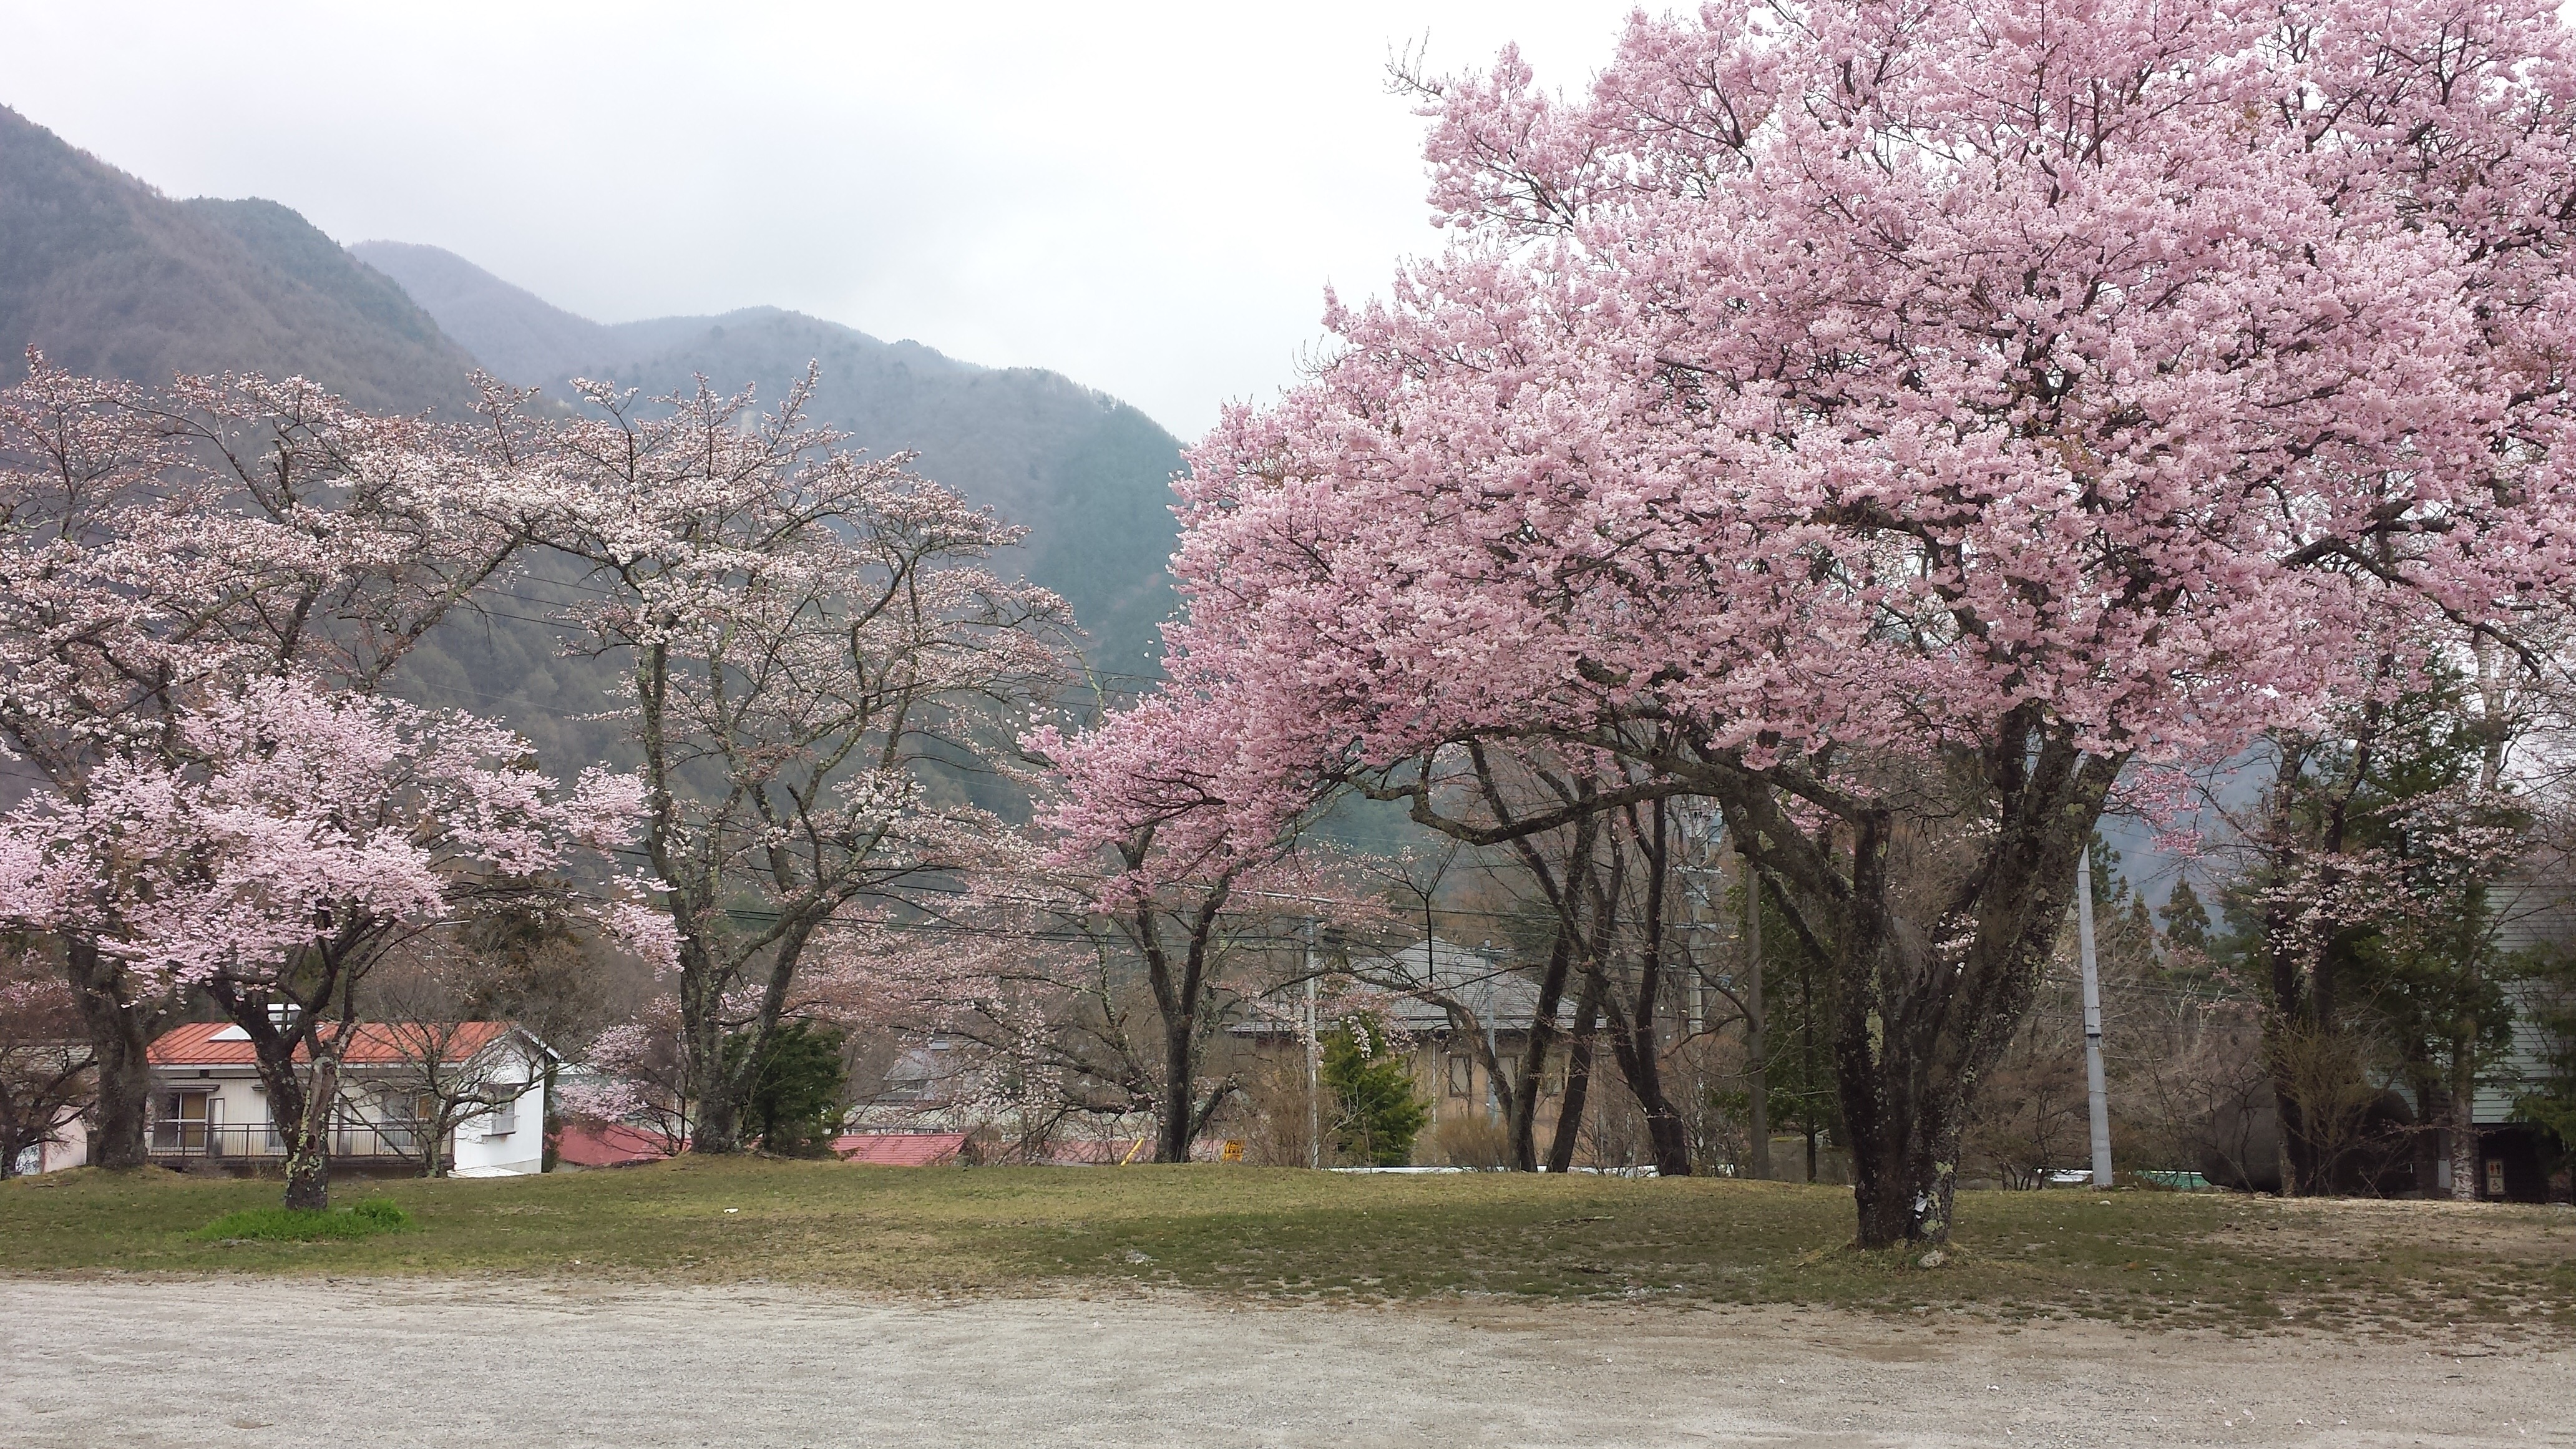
(512,332)
(110,277)
(1086,474)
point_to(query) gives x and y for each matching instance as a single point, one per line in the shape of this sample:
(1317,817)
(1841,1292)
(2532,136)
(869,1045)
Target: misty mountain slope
(514,334)
(1087,475)
(110,277)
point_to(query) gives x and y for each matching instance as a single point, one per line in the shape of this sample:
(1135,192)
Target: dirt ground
(255,1362)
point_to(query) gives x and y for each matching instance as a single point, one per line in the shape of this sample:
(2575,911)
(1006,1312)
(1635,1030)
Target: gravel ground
(255,1362)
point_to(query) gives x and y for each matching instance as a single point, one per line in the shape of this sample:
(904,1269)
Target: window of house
(403,1118)
(185,1116)
(1462,1076)
(504,1119)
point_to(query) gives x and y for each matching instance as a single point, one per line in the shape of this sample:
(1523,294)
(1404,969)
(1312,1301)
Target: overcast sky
(1149,198)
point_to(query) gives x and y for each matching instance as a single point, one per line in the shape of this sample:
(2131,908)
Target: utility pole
(1757,1068)
(2097,1096)
(1314,1062)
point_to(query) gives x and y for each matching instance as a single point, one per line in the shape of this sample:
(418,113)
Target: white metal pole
(1314,1062)
(2097,1096)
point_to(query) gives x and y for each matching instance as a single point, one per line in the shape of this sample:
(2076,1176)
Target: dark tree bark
(1565,944)
(1757,1047)
(1635,1041)
(299,1028)
(1521,1113)
(1180,1094)
(301,1096)
(1181,997)
(120,1038)
(304,1119)
(715,1109)
(1578,1077)
(1915,1027)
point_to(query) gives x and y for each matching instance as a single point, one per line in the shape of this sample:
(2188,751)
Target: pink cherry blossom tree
(2370,880)
(288,844)
(1132,821)
(158,549)
(1890,423)
(817,668)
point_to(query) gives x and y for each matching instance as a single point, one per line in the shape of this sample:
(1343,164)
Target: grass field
(2137,1257)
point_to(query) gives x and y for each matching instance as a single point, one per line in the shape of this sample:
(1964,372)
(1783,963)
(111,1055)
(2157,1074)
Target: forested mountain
(1087,475)
(109,276)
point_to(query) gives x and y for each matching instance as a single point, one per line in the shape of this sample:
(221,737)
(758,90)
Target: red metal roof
(612,1144)
(899,1149)
(372,1043)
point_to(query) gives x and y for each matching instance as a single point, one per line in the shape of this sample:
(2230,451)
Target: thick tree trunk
(715,1117)
(308,1170)
(1632,1043)
(1916,1024)
(1634,1038)
(1578,1078)
(120,1038)
(1669,1137)
(300,1108)
(1757,1053)
(1179,1093)
(716,1125)
(2464,1141)
(1905,1167)
(1521,1113)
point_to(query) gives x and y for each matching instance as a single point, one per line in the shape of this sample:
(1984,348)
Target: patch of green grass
(295,1225)
(2144,1258)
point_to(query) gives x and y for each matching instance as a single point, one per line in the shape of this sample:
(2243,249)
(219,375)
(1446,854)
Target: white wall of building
(482,1148)
(71,1151)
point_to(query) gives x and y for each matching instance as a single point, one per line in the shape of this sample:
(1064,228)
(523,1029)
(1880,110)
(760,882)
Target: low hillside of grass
(2137,1257)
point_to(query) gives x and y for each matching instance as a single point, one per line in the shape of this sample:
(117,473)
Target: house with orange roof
(473,1092)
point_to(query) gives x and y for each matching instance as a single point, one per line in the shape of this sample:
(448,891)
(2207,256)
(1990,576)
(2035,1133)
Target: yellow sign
(1233,1149)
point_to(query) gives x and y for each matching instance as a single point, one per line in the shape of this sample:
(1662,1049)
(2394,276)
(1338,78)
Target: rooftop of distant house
(1420,977)
(223,1044)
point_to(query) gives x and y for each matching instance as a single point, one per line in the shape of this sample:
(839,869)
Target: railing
(227,1141)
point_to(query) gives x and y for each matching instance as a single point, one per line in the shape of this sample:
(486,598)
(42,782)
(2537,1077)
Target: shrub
(801,1091)
(295,1225)
(1379,1114)
(1471,1139)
